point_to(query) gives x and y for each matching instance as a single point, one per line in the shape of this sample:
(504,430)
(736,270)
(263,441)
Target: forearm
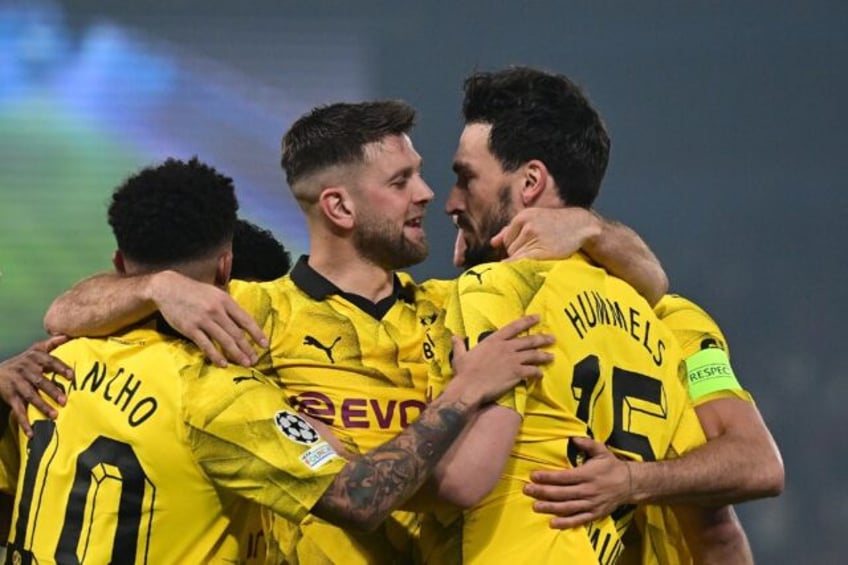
(472,466)
(714,535)
(722,471)
(624,254)
(101,304)
(370,487)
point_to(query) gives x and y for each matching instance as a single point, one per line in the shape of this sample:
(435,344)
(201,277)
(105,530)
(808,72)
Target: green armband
(709,371)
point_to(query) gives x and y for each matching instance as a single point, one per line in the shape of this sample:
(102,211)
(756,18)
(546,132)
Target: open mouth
(414,222)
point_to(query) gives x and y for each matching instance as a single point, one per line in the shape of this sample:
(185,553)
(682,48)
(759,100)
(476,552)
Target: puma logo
(476,274)
(427,320)
(238,380)
(309,340)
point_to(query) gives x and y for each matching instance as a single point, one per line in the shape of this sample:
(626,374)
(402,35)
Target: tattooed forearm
(370,487)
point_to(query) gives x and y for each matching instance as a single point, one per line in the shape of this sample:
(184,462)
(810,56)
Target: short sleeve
(248,440)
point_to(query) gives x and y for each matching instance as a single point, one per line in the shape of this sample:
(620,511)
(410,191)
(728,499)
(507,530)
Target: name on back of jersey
(591,309)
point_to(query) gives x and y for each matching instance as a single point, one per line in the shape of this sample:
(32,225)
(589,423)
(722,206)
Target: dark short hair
(257,254)
(539,115)
(337,134)
(174,212)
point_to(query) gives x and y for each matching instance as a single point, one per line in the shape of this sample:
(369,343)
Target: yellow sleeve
(261,302)
(709,374)
(486,300)
(247,439)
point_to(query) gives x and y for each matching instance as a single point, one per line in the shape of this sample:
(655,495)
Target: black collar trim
(318,287)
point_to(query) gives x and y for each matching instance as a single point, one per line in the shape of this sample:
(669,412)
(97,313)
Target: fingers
(559,477)
(532,342)
(32,397)
(50,343)
(458,346)
(248,324)
(506,237)
(529,373)
(20,414)
(228,331)
(515,328)
(591,447)
(51,390)
(207,347)
(48,364)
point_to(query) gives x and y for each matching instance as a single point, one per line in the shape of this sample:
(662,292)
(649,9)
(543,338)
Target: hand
(547,233)
(22,376)
(588,492)
(502,360)
(208,316)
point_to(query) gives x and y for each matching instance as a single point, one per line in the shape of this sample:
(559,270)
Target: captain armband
(709,371)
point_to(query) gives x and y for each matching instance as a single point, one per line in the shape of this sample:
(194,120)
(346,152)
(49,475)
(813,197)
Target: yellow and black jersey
(708,377)
(705,350)
(614,377)
(160,457)
(359,367)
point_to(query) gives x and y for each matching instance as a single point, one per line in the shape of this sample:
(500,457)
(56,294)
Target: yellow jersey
(359,367)
(160,457)
(705,352)
(614,377)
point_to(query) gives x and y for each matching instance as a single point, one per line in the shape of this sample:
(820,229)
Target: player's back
(112,479)
(614,377)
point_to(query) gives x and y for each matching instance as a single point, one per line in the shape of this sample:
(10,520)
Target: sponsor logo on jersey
(296,428)
(327,349)
(365,413)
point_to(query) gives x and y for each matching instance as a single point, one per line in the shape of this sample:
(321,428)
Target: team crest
(295,428)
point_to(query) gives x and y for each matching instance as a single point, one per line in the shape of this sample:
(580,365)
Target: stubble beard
(381,243)
(481,251)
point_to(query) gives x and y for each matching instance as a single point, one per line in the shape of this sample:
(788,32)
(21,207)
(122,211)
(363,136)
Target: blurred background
(727,120)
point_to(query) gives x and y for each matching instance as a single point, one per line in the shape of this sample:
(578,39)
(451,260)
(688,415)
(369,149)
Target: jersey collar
(318,287)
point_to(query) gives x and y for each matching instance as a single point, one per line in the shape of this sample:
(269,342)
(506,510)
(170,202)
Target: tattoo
(369,488)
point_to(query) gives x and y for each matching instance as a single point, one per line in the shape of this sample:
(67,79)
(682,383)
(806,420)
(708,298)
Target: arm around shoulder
(624,254)
(101,304)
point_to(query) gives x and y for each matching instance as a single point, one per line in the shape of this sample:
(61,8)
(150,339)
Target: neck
(337,261)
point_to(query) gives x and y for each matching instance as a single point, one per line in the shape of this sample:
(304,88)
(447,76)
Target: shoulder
(209,390)
(503,275)
(693,327)
(260,298)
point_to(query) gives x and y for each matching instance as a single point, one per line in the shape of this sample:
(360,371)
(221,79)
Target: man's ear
(224,268)
(118,262)
(535,181)
(337,206)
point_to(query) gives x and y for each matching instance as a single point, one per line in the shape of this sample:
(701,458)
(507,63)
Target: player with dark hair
(257,254)
(352,341)
(158,456)
(532,139)
(611,348)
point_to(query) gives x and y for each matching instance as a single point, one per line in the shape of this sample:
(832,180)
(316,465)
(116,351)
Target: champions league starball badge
(296,428)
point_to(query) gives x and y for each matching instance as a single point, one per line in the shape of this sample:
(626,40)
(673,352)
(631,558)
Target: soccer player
(532,139)
(751,466)
(351,340)
(157,455)
(257,254)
